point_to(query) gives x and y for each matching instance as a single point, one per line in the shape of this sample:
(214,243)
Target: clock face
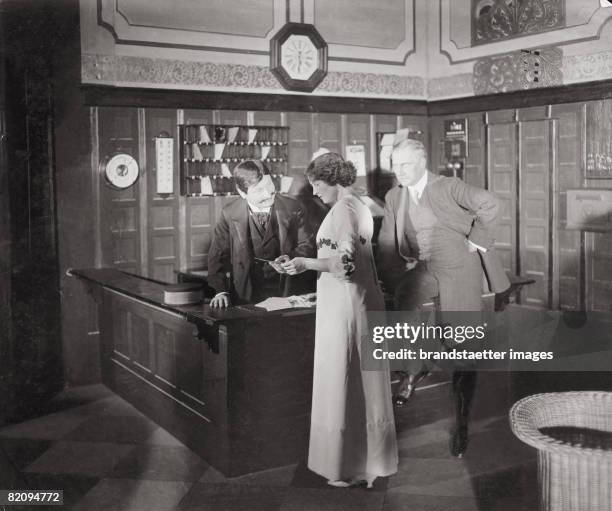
(299,57)
(121,171)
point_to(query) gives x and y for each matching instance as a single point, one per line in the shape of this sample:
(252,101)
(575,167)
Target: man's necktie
(262,219)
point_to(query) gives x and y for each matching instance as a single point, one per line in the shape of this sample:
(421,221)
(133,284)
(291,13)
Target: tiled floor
(107,456)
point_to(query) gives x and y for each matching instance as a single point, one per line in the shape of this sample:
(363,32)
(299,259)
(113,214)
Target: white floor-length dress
(352,433)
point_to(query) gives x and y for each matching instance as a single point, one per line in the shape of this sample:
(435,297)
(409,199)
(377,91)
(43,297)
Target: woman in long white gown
(352,432)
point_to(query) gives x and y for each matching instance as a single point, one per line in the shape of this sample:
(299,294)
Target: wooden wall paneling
(192,116)
(475,170)
(300,142)
(330,132)
(143,187)
(598,261)
(163,230)
(436,144)
(502,179)
(600,275)
(414,123)
(534,113)
(119,215)
(358,133)
(534,211)
(566,250)
(597,246)
(96,183)
(501,116)
(236,117)
(384,180)
(199,215)
(264,118)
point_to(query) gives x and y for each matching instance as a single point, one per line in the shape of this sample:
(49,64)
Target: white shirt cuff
(482,249)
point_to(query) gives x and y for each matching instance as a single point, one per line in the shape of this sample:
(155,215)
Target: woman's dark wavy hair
(332,169)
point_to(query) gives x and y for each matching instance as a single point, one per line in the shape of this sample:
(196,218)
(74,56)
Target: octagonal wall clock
(298,57)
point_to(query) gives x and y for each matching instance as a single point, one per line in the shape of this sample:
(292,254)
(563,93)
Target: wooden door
(520,166)
(502,168)
(535,211)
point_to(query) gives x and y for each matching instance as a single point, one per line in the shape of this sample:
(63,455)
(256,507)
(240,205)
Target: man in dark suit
(260,226)
(434,241)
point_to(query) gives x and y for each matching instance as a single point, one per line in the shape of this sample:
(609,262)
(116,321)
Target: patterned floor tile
(74,486)
(114,428)
(232,497)
(161,437)
(48,427)
(335,499)
(86,458)
(78,396)
(20,452)
(274,477)
(212,475)
(414,502)
(163,463)
(133,495)
(112,405)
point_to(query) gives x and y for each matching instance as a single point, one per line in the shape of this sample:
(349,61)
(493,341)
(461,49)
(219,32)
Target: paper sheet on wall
(356,155)
(204,138)
(164,164)
(231,133)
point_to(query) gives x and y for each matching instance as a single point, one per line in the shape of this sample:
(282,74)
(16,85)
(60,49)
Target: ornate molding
(448,86)
(518,71)
(597,66)
(495,20)
(559,37)
(142,71)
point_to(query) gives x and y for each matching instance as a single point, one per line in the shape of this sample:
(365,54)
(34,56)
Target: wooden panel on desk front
(243,409)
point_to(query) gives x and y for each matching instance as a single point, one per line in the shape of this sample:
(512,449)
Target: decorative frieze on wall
(126,70)
(579,68)
(495,20)
(519,70)
(456,85)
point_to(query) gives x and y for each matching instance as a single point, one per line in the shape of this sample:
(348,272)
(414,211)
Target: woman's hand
(295,265)
(277,264)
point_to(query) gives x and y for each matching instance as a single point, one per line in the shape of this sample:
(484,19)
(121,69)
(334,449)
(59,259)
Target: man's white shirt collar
(255,209)
(416,190)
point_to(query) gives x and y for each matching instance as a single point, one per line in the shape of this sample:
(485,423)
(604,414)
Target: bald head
(409,161)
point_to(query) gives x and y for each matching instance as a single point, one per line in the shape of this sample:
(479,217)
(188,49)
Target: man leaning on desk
(260,227)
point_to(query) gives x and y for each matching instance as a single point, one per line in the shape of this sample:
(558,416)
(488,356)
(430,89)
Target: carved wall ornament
(143,71)
(494,20)
(525,69)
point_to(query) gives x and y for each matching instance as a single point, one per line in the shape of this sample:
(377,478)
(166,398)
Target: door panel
(502,181)
(534,211)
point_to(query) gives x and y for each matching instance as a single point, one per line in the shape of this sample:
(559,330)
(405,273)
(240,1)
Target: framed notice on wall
(598,163)
(589,209)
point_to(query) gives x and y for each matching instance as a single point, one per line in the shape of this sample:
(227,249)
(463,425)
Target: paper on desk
(275,303)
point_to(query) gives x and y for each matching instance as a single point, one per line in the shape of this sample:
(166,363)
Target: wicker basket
(572,476)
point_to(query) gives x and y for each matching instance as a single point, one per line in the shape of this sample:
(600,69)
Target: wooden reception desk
(234,385)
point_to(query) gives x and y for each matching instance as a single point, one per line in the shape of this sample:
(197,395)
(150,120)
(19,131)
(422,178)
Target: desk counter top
(151,292)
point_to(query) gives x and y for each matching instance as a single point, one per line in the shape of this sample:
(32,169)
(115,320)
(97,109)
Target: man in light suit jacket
(434,241)
(260,226)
